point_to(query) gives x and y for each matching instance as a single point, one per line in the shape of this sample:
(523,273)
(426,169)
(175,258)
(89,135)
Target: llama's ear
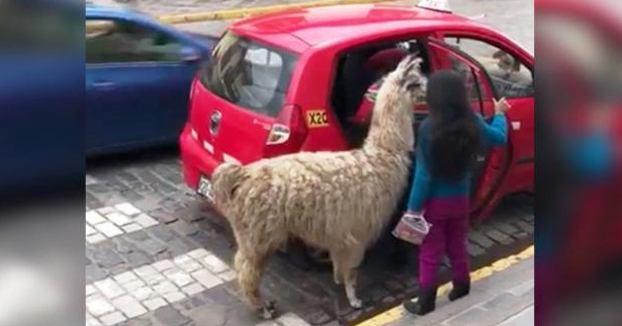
(414,63)
(409,65)
(404,63)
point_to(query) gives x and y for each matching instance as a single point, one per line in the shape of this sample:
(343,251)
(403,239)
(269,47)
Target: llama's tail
(226,178)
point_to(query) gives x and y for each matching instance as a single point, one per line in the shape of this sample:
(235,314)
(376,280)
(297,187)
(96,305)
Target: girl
(448,140)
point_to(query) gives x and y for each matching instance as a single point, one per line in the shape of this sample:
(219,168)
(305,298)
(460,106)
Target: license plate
(205,188)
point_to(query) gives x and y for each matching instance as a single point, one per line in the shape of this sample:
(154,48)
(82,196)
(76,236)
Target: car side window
(509,76)
(474,86)
(119,41)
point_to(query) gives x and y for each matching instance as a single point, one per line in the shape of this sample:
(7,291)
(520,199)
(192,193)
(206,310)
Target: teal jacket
(425,186)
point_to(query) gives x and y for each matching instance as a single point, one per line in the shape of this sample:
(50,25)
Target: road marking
(111,221)
(398,312)
(245,12)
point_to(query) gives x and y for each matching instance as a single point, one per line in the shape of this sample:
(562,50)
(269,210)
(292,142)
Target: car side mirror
(189,54)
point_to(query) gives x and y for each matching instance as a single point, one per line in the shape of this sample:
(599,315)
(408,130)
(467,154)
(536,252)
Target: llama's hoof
(356,303)
(268,311)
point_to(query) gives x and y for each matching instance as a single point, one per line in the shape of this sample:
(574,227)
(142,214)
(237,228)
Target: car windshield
(248,74)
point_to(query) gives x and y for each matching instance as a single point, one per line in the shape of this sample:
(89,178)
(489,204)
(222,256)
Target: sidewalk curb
(398,312)
(245,12)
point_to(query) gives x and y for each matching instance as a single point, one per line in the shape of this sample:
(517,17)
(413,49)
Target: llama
(337,201)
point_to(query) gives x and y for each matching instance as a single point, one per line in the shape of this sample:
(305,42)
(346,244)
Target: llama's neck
(391,127)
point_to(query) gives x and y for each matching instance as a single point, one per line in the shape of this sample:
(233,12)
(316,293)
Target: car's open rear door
(492,163)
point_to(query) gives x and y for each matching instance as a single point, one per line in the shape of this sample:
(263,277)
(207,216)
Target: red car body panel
(319,36)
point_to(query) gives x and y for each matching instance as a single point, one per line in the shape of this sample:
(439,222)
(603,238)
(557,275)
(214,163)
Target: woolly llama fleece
(338,201)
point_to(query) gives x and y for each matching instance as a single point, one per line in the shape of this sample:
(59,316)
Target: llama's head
(402,88)
(391,126)
(409,79)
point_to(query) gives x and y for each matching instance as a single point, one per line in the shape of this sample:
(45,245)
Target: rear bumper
(195,160)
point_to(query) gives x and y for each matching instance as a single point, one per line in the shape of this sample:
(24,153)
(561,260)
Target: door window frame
(470,61)
(134,63)
(517,52)
(497,41)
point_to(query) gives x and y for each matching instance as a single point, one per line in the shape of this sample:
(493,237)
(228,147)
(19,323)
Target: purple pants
(448,235)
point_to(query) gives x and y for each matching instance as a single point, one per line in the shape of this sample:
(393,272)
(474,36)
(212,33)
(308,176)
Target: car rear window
(249,74)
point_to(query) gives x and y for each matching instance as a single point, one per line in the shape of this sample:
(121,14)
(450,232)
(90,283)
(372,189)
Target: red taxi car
(289,82)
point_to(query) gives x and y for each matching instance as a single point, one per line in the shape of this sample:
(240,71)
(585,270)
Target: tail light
(279,134)
(287,133)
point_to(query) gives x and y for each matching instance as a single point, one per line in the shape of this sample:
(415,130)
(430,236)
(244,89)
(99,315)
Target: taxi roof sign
(438,5)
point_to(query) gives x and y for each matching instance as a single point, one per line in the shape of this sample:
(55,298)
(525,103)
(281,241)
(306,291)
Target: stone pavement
(503,299)
(158,255)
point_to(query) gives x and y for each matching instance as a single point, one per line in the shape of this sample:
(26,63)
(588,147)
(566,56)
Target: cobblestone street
(159,255)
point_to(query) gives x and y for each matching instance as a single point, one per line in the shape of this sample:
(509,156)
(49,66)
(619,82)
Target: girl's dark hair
(455,136)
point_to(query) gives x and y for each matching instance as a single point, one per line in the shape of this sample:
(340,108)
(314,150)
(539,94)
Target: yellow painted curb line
(398,312)
(245,12)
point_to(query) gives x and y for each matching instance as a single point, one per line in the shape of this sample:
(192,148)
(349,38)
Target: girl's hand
(501,106)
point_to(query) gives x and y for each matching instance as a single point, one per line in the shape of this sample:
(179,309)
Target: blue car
(138,75)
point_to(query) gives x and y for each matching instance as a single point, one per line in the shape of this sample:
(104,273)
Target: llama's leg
(249,276)
(238,260)
(350,280)
(350,264)
(254,248)
(337,273)
(251,262)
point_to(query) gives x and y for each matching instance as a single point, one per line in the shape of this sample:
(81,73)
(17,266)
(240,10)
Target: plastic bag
(412,228)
